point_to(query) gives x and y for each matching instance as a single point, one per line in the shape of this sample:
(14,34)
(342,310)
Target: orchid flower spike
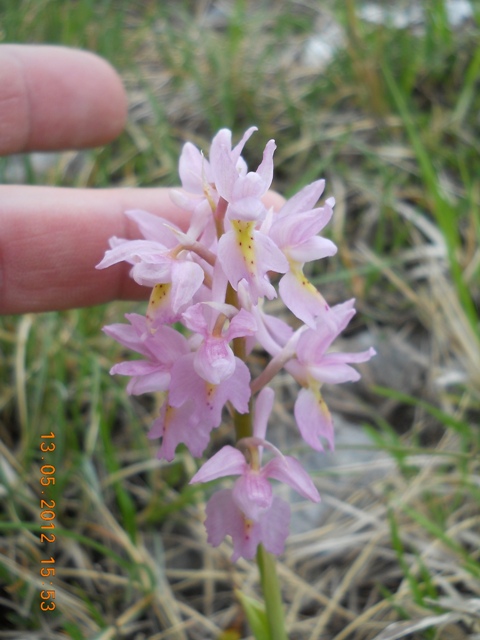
(205,316)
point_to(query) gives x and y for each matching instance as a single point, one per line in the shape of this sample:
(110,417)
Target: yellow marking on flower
(248,527)
(297,271)
(169,413)
(309,288)
(157,299)
(314,386)
(207,190)
(208,195)
(244,234)
(319,398)
(210,390)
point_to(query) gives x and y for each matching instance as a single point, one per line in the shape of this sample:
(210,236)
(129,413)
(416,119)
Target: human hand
(51,238)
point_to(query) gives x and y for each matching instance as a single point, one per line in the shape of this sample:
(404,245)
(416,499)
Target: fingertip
(56,98)
(274,200)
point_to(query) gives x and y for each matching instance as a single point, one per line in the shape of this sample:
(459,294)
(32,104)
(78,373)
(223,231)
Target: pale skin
(51,238)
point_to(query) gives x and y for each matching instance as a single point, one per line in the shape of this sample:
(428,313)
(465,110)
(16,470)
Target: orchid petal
(149,383)
(226,462)
(241,325)
(314,248)
(214,360)
(252,494)
(187,278)
(274,526)
(248,209)
(134,368)
(193,169)
(132,251)
(271,256)
(289,471)
(304,200)
(225,518)
(313,419)
(149,274)
(127,335)
(265,168)
(238,148)
(176,425)
(152,227)
(303,300)
(333,367)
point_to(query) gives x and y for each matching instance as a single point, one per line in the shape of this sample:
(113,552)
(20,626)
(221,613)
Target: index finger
(55,98)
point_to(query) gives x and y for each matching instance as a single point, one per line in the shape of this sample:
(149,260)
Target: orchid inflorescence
(206,314)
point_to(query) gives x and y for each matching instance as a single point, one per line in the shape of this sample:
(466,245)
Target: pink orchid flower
(193,407)
(161,351)
(246,254)
(159,258)
(304,354)
(294,230)
(249,512)
(218,324)
(314,366)
(209,399)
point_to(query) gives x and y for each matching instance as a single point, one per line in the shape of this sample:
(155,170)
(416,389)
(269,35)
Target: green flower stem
(271,594)
(243,424)
(265,561)
(242,421)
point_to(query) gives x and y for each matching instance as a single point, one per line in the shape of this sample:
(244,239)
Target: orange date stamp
(47,515)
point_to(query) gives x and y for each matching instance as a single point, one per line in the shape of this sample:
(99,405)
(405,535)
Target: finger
(52,238)
(57,98)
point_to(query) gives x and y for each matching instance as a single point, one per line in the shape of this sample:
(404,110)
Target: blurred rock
(406,15)
(321,47)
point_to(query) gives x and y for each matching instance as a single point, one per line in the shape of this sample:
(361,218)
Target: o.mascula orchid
(212,279)
(249,513)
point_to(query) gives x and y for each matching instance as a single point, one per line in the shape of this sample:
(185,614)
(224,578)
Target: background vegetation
(391,121)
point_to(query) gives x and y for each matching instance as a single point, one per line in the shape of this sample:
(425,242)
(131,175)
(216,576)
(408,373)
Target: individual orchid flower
(249,512)
(218,324)
(159,259)
(161,351)
(209,399)
(244,252)
(314,366)
(193,407)
(245,192)
(179,424)
(294,230)
(199,194)
(247,254)
(230,170)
